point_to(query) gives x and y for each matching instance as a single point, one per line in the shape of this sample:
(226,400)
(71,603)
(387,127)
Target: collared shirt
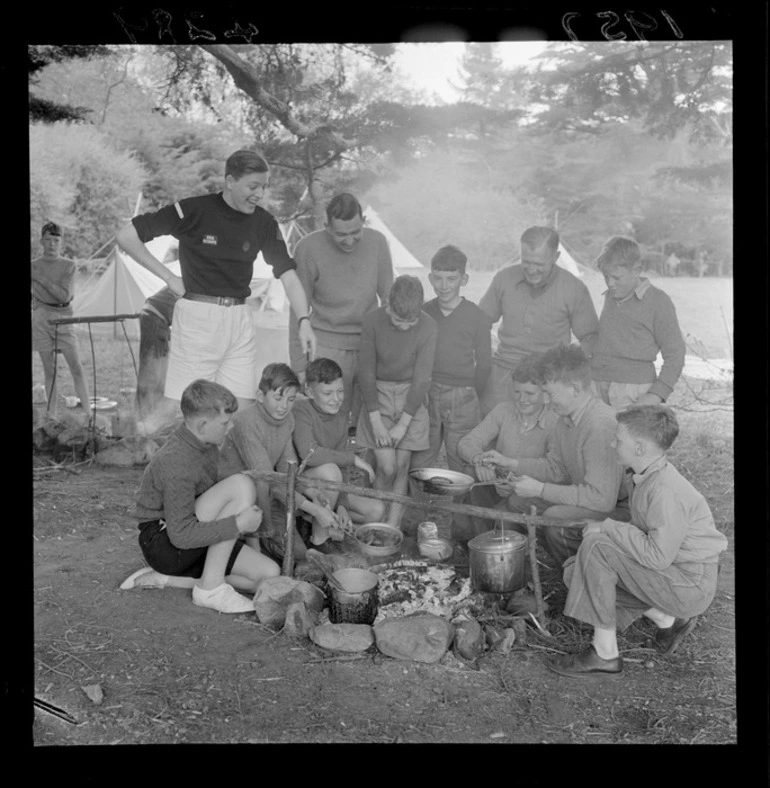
(574,418)
(181,470)
(580,467)
(638,291)
(53,282)
(537,319)
(671,522)
(504,425)
(631,334)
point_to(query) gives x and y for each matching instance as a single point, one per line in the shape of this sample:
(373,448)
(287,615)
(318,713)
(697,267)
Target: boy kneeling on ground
(191,527)
(663,564)
(321,437)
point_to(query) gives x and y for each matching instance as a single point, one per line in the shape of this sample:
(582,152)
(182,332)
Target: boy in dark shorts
(321,437)
(398,344)
(662,565)
(260,442)
(191,527)
(462,363)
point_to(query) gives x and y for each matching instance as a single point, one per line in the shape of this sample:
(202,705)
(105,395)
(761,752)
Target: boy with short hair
(462,362)
(638,321)
(261,441)
(663,564)
(321,437)
(52,293)
(398,343)
(190,526)
(578,477)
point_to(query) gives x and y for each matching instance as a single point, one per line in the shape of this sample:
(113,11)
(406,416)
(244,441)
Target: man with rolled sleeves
(219,235)
(541,306)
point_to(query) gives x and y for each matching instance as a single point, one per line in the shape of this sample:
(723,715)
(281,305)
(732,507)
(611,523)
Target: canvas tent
(403,260)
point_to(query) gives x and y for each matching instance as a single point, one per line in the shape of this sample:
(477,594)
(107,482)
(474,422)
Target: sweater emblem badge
(211,240)
(246,246)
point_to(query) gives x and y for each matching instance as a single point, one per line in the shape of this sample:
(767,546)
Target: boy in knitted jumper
(261,441)
(191,527)
(398,343)
(321,437)
(638,321)
(662,565)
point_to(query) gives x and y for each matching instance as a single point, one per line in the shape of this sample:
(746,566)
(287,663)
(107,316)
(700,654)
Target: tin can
(427,530)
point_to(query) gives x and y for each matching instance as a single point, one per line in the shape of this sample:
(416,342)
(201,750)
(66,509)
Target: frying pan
(440,481)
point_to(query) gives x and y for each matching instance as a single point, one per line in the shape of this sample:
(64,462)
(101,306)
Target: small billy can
(497,561)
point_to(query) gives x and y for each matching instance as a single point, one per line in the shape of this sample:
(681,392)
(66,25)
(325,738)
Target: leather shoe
(667,640)
(589,663)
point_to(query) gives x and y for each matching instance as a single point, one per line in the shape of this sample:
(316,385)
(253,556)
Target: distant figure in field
(52,292)
(672,264)
(638,320)
(345,268)
(541,305)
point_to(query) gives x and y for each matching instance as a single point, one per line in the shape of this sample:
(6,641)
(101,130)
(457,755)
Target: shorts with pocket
(391,399)
(163,557)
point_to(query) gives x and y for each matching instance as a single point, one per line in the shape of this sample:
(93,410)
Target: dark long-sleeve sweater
(181,470)
(391,354)
(325,433)
(463,345)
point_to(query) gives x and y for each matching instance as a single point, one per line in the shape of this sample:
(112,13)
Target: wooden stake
(532,539)
(287,568)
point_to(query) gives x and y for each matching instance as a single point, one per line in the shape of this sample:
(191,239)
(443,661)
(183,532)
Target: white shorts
(213,342)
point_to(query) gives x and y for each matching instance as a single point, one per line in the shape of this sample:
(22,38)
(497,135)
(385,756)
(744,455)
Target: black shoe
(589,663)
(667,640)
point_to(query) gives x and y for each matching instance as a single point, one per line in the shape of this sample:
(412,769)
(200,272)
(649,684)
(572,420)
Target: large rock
(275,594)
(469,639)
(343,637)
(127,452)
(299,620)
(421,637)
(119,454)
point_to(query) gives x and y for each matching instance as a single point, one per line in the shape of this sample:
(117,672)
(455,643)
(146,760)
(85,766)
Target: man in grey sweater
(344,269)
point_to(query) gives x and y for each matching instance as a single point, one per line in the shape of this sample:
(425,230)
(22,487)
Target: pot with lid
(498,561)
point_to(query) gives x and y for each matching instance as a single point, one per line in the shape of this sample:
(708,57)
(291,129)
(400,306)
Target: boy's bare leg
(663,620)
(384,471)
(605,643)
(47,359)
(250,569)
(224,499)
(78,378)
(328,472)
(400,485)
(365,510)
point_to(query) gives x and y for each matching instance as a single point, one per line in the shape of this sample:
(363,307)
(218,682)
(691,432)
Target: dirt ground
(171,672)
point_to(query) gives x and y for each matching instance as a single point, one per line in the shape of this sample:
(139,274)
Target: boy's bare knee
(328,471)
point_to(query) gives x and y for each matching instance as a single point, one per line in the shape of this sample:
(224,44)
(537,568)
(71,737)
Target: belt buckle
(226,301)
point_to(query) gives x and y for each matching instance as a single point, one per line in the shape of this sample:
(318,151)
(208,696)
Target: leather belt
(219,300)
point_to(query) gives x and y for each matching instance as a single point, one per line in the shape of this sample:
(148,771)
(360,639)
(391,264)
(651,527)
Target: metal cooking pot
(498,561)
